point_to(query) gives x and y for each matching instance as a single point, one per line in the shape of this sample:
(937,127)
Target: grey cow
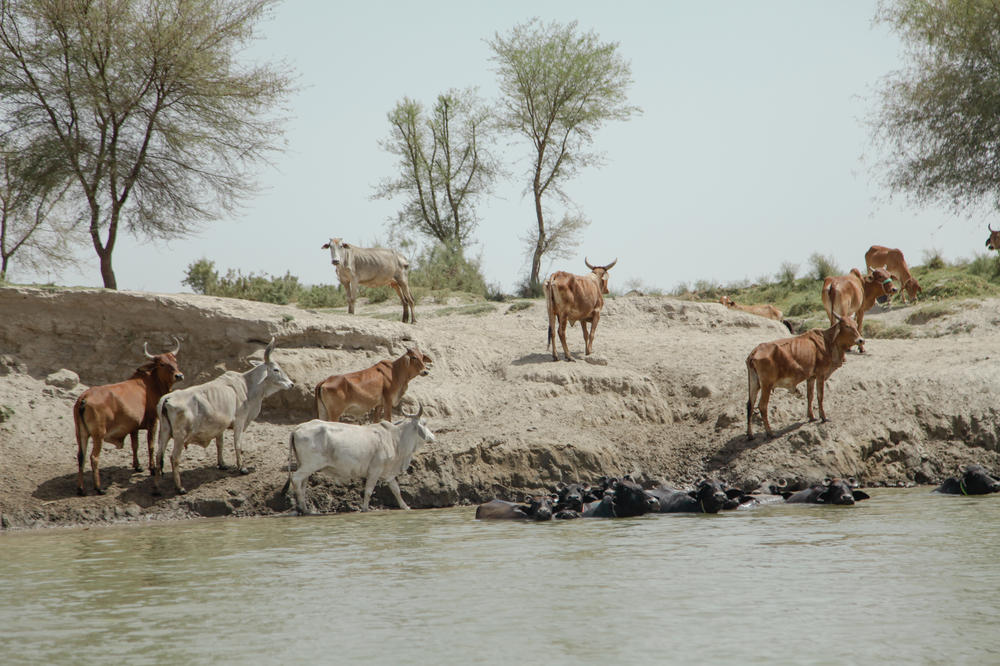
(201,413)
(371,267)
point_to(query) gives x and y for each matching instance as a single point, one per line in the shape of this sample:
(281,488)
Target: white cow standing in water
(347,452)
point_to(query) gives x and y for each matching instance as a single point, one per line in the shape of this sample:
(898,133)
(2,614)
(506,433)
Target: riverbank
(662,397)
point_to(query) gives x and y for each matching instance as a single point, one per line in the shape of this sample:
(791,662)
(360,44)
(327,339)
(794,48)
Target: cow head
(416,363)
(725,300)
(164,366)
(275,379)
(421,427)
(601,273)
(572,496)
(975,480)
(711,495)
(993,242)
(338,251)
(539,507)
(912,288)
(881,278)
(839,491)
(847,334)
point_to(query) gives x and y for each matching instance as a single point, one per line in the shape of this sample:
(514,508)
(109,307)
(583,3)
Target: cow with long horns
(576,298)
(993,242)
(110,412)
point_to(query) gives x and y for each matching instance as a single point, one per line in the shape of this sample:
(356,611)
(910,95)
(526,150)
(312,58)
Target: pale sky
(752,148)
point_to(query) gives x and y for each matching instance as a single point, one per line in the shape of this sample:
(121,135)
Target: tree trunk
(104,251)
(107,273)
(534,281)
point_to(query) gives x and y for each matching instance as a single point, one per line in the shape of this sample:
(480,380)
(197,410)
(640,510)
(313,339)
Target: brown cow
(811,357)
(108,413)
(380,386)
(572,298)
(891,259)
(993,242)
(763,310)
(854,294)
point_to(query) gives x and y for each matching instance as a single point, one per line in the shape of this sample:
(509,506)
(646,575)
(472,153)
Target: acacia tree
(30,226)
(558,87)
(144,103)
(940,116)
(446,165)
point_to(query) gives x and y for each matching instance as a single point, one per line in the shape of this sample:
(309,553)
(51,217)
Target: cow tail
(291,455)
(166,432)
(81,432)
(550,308)
(320,407)
(788,325)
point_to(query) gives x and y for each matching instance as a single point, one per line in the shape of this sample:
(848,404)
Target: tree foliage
(940,116)
(33,215)
(144,104)
(446,164)
(558,86)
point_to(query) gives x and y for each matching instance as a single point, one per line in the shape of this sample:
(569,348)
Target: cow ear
(693,493)
(560,486)
(345,245)
(326,246)
(861,495)
(254,362)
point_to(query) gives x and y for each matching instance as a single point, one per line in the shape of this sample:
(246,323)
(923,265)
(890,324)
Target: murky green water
(906,577)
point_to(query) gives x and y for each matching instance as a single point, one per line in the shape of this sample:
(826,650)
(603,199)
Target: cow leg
(822,413)
(562,338)
(402,299)
(352,294)
(369,487)
(753,389)
(95,462)
(134,435)
(219,462)
(394,487)
(593,329)
(860,317)
(175,464)
(586,340)
(298,483)
(810,391)
(239,450)
(765,398)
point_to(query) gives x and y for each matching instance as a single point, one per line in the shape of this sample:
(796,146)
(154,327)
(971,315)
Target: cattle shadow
(736,446)
(114,478)
(533,359)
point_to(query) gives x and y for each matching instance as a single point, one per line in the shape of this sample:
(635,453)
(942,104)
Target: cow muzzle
(335,262)
(179,377)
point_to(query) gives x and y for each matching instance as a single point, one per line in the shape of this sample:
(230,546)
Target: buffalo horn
(145,350)
(177,345)
(611,265)
(589,265)
(992,231)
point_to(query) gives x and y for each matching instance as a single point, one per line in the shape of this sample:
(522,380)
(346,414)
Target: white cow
(199,414)
(371,267)
(347,452)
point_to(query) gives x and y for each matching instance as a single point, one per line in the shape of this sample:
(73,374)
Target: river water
(905,577)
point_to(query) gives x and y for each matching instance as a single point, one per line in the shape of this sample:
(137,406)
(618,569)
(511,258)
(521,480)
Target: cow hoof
(244,471)
(182,491)
(156,492)
(100,491)
(80,492)
(750,438)
(224,468)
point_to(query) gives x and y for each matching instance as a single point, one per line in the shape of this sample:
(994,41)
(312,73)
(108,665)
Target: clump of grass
(822,266)
(518,306)
(877,329)
(475,309)
(933,259)
(960,286)
(786,273)
(6,413)
(927,313)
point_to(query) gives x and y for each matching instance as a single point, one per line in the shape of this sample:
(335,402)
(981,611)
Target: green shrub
(822,266)
(925,314)
(446,267)
(877,329)
(525,289)
(786,273)
(494,292)
(322,296)
(202,277)
(6,413)
(959,286)
(518,306)
(986,266)
(933,259)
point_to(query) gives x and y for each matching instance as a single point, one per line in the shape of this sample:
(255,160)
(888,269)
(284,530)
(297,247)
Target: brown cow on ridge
(993,242)
(379,387)
(763,310)
(572,298)
(891,259)
(854,294)
(811,357)
(108,413)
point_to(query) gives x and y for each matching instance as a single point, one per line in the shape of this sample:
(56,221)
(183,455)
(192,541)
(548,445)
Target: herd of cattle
(383,449)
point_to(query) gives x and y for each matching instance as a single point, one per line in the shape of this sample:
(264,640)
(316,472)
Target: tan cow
(111,412)
(371,267)
(763,310)
(854,294)
(891,259)
(811,357)
(993,242)
(378,388)
(576,298)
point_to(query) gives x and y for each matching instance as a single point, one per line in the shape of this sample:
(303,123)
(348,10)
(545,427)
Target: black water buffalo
(623,498)
(572,496)
(538,508)
(975,480)
(833,491)
(709,496)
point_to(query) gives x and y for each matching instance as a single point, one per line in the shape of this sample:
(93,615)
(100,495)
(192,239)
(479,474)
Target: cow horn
(827,481)
(611,265)
(589,265)
(782,482)
(177,345)
(419,413)
(145,350)
(992,231)
(268,349)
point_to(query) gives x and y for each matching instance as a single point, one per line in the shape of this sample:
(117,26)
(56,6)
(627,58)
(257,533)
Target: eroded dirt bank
(662,397)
